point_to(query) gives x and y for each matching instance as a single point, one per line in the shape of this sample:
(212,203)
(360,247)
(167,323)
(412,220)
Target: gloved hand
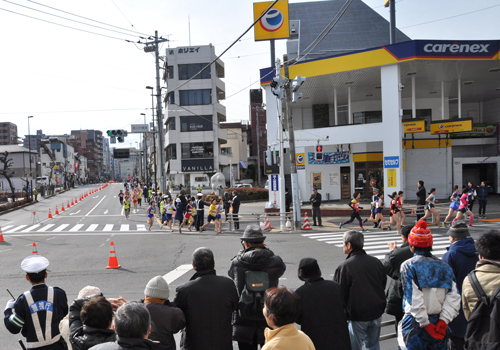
(431,329)
(441,327)
(10,304)
(360,207)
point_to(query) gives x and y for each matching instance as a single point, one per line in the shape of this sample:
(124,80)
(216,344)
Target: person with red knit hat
(430,296)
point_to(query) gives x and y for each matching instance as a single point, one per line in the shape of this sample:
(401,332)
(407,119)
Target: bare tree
(6,170)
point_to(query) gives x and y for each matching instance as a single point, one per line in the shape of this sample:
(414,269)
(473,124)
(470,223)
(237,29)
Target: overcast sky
(70,79)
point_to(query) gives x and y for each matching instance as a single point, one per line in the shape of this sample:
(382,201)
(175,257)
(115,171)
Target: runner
(168,214)
(162,212)
(471,195)
(395,212)
(400,206)
(354,204)
(220,209)
(139,196)
(126,207)
(373,207)
(188,215)
(431,208)
(134,199)
(463,207)
(455,201)
(379,218)
(120,196)
(212,215)
(151,214)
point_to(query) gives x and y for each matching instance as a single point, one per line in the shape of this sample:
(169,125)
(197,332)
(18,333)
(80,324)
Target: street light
(145,152)
(154,134)
(29,146)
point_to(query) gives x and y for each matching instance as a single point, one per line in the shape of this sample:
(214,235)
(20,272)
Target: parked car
(243,185)
(42,180)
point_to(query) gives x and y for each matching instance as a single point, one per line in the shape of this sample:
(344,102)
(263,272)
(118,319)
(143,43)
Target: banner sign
(317,180)
(274,24)
(414,126)
(300,161)
(450,126)
(329,158)
(392,180)
(197,165)
(478,130)
(391,162)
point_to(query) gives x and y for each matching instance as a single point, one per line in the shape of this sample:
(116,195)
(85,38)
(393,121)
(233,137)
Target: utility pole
(258,109)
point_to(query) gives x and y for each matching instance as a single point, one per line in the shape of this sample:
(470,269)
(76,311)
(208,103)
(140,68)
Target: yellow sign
(414,126)
(448,126)
(301,159)
(274,24)
(392,180)
(317,180)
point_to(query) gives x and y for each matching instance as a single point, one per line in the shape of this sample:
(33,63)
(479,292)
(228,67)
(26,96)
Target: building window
(367,117)
(321,116)
(196,123)
(227,151)
(172,151)
(188,71)
(195,97)
(170,124)
(197,150)
(170,72)
(421,114)
(171,97)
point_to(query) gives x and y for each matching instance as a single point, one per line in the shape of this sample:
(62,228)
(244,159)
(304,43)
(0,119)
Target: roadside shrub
(250,193)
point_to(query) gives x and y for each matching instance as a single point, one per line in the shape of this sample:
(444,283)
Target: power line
(123,15)
(69,19)
(79,111)
(89,19)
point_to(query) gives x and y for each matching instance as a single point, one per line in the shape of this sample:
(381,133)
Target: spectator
(200,211)
(254,256)
(392,265)
(132,325)
(362,279)
(166,319)
(482,196)
(235,208)
(462,258)
(430,299)
(316,204)
(179,211)
(487,270)
(29,312)
(90,320)
(281,309)
(208,302)
(322,316)
(227,203)
(421,195)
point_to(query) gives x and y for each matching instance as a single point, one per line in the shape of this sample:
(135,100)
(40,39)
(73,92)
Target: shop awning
(242,165)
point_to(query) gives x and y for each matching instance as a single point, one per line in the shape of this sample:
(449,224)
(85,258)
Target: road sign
(139,128)
(274,183)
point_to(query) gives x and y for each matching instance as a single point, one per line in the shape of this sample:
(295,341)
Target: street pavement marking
(124,227)
(76,228)
(141,227)
(177,272)
(91,210)
(31,228)
(60,227)
(16,229)
(7,227)
(45,228)
(91,227)
(108,227)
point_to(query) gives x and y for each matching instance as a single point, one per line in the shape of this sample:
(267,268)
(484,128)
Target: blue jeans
(365,332)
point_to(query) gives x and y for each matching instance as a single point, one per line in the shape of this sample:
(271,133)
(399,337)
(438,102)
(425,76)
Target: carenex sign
(391,162)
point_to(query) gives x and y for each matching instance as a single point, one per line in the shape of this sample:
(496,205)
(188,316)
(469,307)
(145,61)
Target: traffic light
(118,133)
(277,87)
(318,155)
(276,157)
(269,158)
(296,83)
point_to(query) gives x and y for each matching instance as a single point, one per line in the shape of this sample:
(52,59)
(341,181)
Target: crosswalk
(40,228)
(376,242)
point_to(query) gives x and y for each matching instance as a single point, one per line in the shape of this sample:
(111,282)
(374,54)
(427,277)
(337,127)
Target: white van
(42,180)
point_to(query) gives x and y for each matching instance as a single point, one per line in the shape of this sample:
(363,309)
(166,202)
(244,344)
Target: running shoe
(385,229)
(389,227)
(442,225)
(471,225)
(180,231)
(189,228)
(340,225)
(364,230)
(484,216)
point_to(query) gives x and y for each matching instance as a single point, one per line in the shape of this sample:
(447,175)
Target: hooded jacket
(462,258)
(256,258)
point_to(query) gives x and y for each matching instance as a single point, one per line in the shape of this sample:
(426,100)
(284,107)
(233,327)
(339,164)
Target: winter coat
(179,211)
(166,320)
(287,337)
(488,275)
(208,302)
(127,344)
(392,265)
(235,203)
(362,279)
(482,192)
(421,195)
(462,258)
(323,318)
(257,258)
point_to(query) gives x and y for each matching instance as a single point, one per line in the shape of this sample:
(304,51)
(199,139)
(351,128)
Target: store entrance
(476,173)
(368,175)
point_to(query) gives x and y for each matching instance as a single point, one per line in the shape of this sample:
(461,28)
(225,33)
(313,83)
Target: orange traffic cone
(57,211)
(72,203)
(267,224)
(35,250)
(1,235)
(113,261)
(50,214)
(76,200)
(68,204)
(413,210)
(62,206)
(306,226)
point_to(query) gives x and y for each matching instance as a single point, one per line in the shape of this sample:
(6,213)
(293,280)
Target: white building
(57,160)
(20,166)
(193,137)
(237,151)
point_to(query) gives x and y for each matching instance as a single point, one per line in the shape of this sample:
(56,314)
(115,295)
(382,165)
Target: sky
(68,79)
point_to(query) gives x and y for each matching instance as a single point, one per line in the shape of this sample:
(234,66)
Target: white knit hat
(157,287)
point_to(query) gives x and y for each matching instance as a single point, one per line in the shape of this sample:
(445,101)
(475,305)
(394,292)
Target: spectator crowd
(437,303)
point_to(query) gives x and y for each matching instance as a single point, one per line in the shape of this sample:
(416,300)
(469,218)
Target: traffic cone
(57,211)
(113,261)
(50,214)
(68,204)
(35,250)
(306,226)
(267,224)
(72,203)
(413,210)
(62,206)
(76,200)
(1,235)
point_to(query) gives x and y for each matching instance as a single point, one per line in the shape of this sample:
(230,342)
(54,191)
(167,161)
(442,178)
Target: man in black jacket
(316,206)
(322,315)
(235,205)
(253,257)
(200,211)
(421,195)
(362,278)
(208,302)
(392,264)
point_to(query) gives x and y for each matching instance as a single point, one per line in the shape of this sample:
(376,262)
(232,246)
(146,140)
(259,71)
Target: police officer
(37,313)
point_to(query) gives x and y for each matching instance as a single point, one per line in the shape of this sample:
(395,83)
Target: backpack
(483,328)
(251,300)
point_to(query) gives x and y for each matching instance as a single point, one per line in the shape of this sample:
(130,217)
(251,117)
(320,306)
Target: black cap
(253,233)
(459,230)
(308,267)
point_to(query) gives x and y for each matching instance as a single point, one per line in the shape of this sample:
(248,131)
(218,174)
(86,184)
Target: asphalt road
(77,244)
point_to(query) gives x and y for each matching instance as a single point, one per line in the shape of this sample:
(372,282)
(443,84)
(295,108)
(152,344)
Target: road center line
(95,206)
(177,272)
